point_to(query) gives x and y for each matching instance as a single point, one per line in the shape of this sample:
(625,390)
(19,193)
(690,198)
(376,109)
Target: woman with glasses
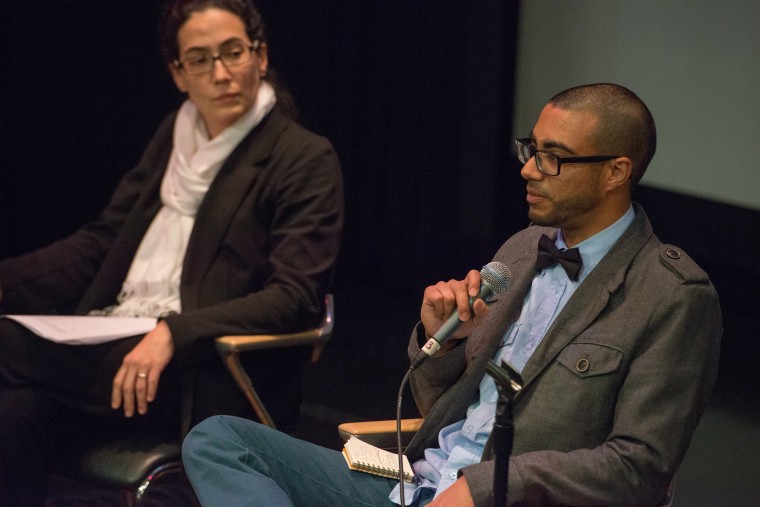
(229,224)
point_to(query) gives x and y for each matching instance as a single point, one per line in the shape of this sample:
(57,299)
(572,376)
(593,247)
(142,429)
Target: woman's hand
(136,381)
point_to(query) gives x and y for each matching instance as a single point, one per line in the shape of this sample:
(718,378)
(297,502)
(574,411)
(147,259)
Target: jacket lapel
(506,308)
(591,297)
(222,201)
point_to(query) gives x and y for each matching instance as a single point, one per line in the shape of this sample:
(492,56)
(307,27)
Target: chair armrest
(245,343)
(316,336)
(230,348)
(380,433)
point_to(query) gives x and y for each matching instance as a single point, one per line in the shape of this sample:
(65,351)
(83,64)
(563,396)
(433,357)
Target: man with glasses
(614,333)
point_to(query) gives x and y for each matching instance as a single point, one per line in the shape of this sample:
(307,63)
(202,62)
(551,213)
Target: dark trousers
(49,391)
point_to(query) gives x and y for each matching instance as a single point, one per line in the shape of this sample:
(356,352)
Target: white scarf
(151,288)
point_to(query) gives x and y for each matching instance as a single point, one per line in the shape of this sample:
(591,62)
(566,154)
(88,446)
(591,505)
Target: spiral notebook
(370,459)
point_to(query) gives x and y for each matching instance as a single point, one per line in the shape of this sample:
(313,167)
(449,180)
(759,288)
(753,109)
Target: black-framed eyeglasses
(230,55)
(549,163)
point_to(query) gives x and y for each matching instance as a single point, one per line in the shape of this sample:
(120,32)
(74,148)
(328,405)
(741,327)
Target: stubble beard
(565,212)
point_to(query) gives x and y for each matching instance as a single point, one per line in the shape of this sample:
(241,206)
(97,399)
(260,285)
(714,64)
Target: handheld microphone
(494,279)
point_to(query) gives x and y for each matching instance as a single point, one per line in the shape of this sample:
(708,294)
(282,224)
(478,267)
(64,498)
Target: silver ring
(142,375)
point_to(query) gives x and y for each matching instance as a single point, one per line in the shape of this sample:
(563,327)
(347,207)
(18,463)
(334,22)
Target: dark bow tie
(549,255)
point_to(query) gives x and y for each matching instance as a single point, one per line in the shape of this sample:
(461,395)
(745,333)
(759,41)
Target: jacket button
(673,253)
(582,365)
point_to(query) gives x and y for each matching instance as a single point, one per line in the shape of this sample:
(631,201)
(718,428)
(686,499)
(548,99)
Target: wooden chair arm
(230,348)
(316,336)
(245,343)
(380,433)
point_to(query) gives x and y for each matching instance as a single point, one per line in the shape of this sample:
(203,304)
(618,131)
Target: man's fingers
(462,294)
(473,282)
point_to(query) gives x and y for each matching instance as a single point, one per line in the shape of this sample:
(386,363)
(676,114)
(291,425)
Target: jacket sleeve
(54,278)
(436,374)
(303,206)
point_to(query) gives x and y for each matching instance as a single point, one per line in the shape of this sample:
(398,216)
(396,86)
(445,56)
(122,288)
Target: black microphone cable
(495,278)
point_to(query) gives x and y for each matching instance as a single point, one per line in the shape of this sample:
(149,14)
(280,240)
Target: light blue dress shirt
(461,444)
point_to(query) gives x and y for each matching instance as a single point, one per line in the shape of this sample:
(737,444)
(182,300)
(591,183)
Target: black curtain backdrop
(416,96)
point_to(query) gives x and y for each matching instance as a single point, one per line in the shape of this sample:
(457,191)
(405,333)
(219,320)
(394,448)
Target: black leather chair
(129,465)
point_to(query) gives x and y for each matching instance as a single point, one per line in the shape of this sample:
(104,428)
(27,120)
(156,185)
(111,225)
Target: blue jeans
(234,461)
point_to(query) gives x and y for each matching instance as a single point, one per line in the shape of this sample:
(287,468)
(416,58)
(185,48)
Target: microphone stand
(508,383)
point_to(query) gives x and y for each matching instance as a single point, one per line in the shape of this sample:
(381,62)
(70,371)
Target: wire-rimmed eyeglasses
(201,62)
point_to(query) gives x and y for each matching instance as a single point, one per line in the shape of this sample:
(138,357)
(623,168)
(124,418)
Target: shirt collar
(593,249)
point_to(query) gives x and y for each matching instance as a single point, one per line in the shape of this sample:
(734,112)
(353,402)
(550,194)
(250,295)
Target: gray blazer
(612,430)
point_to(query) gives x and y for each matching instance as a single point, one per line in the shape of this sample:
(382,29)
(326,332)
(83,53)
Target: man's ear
(619,172)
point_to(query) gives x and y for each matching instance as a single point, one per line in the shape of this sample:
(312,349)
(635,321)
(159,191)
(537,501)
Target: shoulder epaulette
(682,265)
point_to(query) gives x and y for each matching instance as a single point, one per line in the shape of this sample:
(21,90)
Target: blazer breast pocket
(590,359)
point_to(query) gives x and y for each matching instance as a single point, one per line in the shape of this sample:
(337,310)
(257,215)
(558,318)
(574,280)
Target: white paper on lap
(84,330)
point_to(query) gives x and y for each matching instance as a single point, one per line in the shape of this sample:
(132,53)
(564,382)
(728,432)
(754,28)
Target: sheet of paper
(83,330)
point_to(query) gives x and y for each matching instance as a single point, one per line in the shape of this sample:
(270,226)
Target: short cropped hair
(625,127)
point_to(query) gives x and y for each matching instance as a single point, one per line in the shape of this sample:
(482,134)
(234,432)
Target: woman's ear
(179,79)
(263,57)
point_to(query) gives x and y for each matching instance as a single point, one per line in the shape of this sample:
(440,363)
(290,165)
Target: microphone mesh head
(496,276)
